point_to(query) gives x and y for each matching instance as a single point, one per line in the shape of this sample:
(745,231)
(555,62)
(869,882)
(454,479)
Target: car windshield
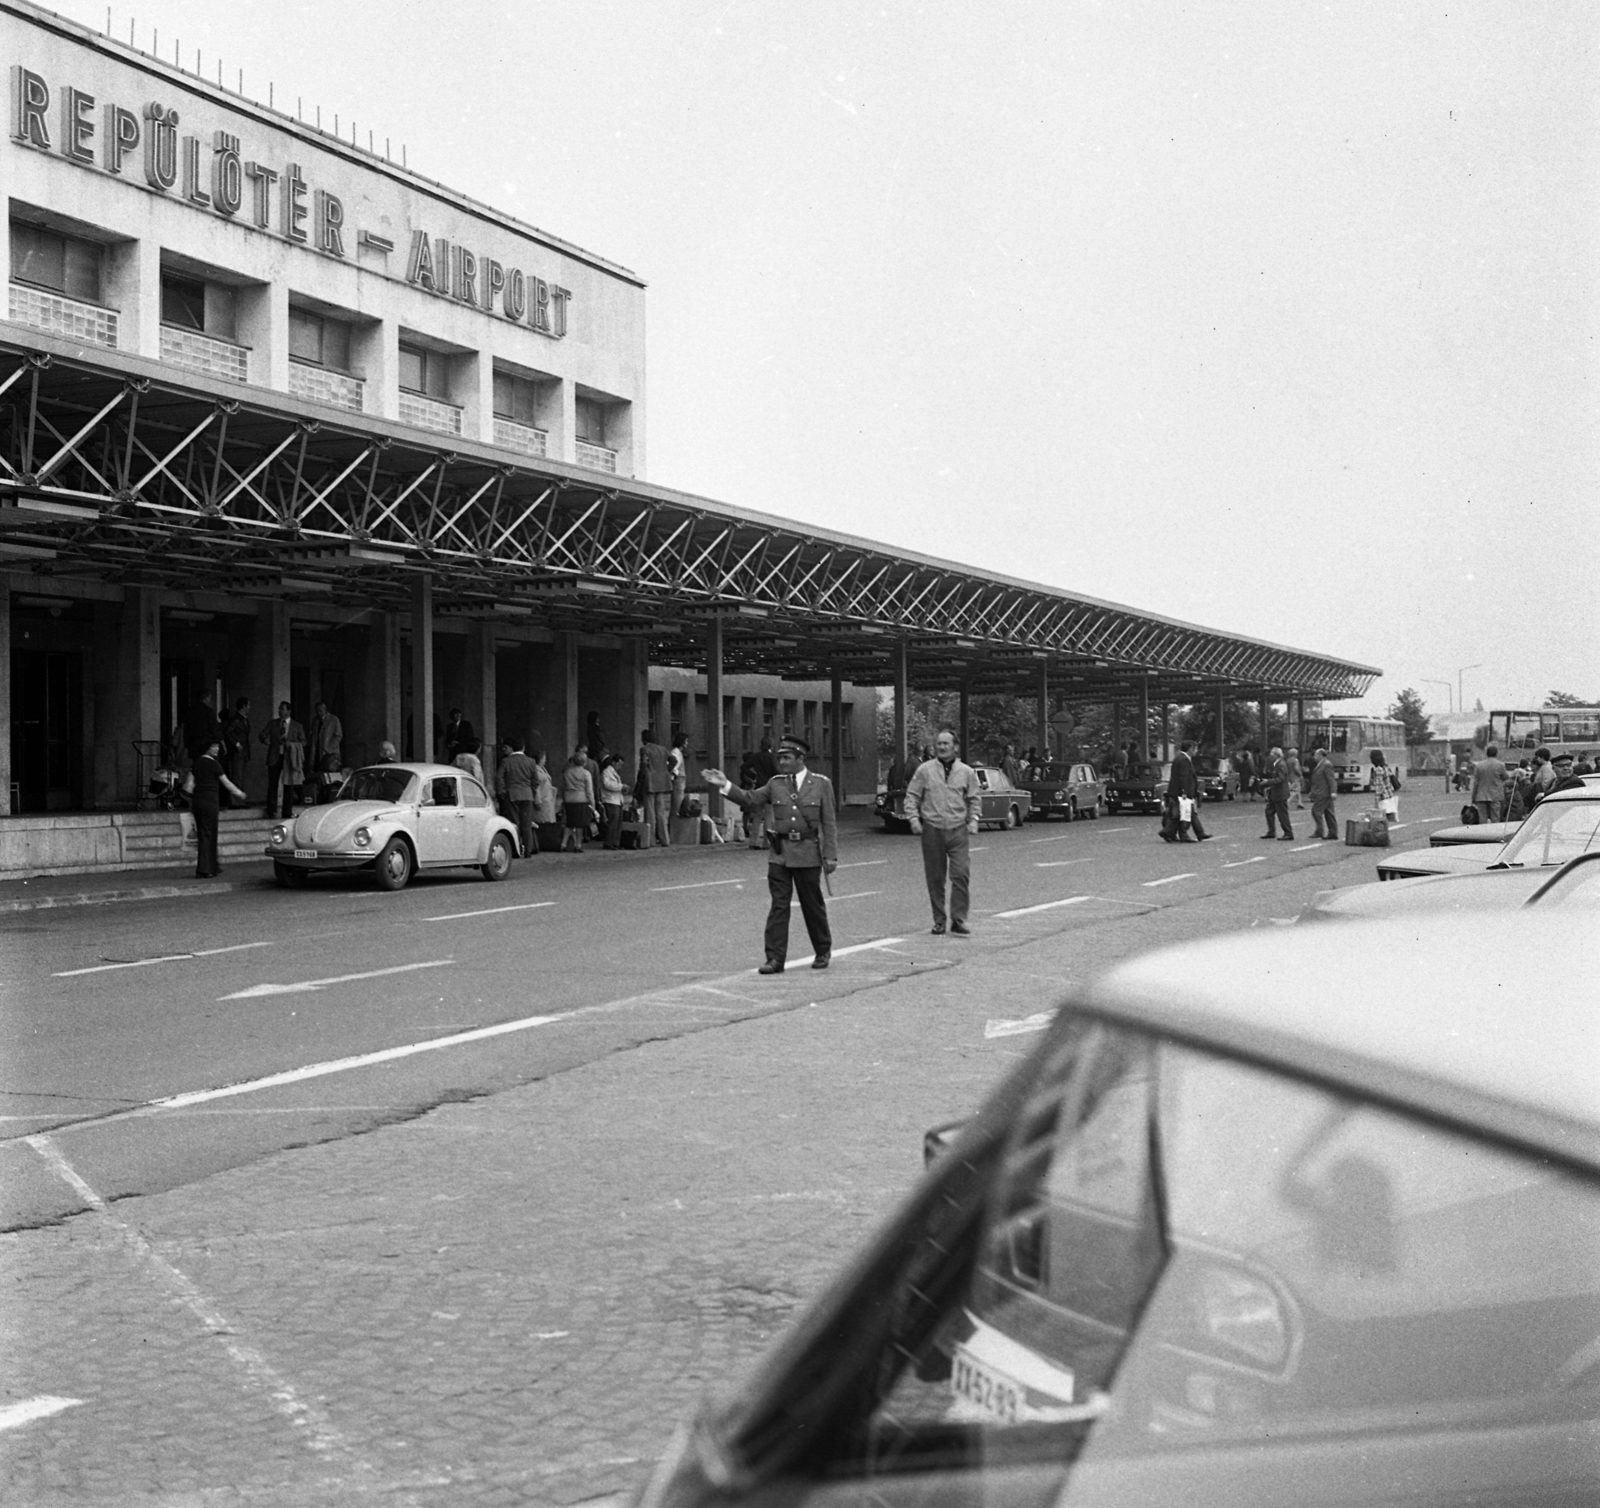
(377,783)
(1555,832)
(1208,764)
(1170,1249)
(1142,772)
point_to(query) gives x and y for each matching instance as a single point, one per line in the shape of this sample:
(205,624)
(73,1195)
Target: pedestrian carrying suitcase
(1369,830)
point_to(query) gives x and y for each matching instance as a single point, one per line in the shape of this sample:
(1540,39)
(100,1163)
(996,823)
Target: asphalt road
(256,1143)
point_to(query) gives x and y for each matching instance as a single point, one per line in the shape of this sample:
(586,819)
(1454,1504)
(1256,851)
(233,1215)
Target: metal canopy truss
(126,473)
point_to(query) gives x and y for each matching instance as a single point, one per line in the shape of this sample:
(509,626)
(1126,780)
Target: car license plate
(992,1393)
(305,853)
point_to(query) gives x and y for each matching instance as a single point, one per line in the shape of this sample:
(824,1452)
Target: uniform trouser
(782,883)
(944,853)
(659,815)
(1278,808)
(1322,813)
(205,832)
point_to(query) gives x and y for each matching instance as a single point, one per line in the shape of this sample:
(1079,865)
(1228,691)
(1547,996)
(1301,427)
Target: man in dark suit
(1276,786)
(1182,782)
(286,760)
(803,835)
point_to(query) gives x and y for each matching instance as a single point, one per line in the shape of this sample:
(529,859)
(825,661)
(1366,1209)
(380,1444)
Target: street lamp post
(1461,698)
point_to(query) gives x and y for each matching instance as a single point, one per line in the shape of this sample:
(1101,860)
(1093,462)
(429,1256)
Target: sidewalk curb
(104,897)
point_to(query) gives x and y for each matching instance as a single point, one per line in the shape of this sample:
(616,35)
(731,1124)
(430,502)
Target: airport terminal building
(282,419)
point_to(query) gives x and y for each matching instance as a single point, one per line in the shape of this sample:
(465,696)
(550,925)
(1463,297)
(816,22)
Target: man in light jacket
(944,803)
(1489,785)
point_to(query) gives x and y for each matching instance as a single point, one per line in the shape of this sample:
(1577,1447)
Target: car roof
(418,769)
(1488,1020)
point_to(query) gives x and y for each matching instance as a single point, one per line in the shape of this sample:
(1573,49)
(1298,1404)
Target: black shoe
(769,967)
(938,929)
(1287,838)
(822,960)
(1205,837)
(1268,837)
(961,929)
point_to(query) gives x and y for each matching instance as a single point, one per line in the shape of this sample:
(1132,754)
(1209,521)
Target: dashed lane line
(1171,879)
(855,895)
(431,1044)
(1071,900)
(862,863)
(1057,863)
(1059,838)
(308,986)
(145,963)
(1240,863)
(17,1414)
(697,885)
(1305,848)
(456,916)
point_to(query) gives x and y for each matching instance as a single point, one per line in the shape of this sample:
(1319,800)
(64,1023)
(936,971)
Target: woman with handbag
(577,796)
(1384,785)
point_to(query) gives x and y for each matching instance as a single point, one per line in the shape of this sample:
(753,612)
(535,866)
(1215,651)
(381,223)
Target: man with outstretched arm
(803,840)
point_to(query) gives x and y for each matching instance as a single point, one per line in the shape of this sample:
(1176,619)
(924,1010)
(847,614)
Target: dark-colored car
(1001,803)
(1216,777)
(1064,790)
(1141,788)
(1224,1240)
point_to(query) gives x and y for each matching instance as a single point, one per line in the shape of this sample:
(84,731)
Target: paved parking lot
(499,1273)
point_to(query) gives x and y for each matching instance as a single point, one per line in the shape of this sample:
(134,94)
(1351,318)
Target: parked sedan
(1003,804)
(1216,777)
(395,819)
(1222,1241)
(1143,788)
(1064,790)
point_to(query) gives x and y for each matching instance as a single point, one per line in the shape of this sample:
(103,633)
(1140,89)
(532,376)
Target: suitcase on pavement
(1369,830)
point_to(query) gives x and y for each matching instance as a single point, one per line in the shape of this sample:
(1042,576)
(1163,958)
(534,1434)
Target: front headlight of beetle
(363,837)
(279,834)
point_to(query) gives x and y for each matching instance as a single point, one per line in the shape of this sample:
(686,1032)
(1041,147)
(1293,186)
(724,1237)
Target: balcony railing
(336,389)
(523,437)
(59,315)
(205,353)
(597,457)
(429,413)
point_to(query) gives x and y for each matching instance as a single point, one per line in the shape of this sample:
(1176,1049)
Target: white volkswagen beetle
(396,819)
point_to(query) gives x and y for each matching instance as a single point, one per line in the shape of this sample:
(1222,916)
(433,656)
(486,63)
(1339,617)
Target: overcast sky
(1274,317)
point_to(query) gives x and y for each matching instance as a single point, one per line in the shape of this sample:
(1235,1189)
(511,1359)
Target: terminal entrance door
(46,730)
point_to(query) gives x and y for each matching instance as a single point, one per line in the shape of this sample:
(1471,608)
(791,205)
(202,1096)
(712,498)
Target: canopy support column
(901,759)
(716,732)
(965,720)
(422,748)
(1041,726)
(836,734)
(1144,716)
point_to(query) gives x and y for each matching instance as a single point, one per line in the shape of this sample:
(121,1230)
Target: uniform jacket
(939,798)
(806,820)
(1324,782)
(286,746)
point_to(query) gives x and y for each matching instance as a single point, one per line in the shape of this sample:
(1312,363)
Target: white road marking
(42,1407)
(861,864)
(1116,829)
(983,849)
(307,986)
(320,1433)
(1171,879)
(698,885)
(855,895)
(455,916)
(1059,838)
(1001,1028)
(432,1044)
(1456,820)
(144,963)
(1395,827)
(1239,863)
(1305,848)
(1071,900)
(1056,863)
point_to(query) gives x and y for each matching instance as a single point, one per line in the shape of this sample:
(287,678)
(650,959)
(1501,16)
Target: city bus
(1574,730)
(1350,742)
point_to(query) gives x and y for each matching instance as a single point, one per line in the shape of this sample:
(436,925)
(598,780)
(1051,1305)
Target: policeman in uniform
(803,838)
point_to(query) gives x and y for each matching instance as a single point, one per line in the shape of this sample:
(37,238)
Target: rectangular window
(64,264)
(791,720)
(809,725)
(183,302)
(424,372)
(516,398)
(591,422)
(680,715)
(318,341)
(747,723)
